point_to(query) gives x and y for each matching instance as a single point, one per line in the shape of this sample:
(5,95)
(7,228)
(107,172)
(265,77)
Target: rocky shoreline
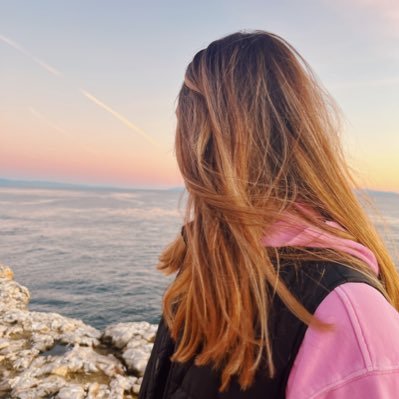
(46,355)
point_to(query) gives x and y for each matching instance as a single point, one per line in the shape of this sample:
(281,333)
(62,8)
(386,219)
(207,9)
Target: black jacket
(310,283)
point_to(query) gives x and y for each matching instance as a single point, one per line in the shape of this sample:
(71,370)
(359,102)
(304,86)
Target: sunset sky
(88,88)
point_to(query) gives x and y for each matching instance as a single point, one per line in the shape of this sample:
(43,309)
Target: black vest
(310,283)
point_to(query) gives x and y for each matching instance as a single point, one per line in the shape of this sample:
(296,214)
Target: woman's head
(256,134)
(252,119)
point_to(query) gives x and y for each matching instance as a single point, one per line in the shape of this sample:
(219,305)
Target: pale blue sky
(132,55)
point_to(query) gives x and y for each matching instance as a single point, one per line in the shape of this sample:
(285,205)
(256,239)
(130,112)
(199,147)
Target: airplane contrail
(38,61)
(118,116)
(44,120)
(84,92)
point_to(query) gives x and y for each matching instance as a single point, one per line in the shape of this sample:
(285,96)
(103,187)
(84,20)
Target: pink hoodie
(360,359)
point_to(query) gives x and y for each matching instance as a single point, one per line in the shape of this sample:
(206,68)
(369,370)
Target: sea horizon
(50,184)
(39,183)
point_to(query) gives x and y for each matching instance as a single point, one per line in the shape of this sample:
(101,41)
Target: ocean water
(91,254)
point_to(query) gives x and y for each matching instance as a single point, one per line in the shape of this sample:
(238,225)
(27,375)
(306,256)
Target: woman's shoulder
(362,353)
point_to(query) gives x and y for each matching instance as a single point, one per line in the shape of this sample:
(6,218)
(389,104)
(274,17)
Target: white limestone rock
(6,273)
(32,388)
(42,342)
(73,391)
(85,368)
(136,359)
(121,334)
(24,359)
(121,385)
(13,295)
(135,339)
(98,391)
(136,389)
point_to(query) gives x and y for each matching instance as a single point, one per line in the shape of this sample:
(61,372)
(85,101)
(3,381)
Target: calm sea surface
(91,254)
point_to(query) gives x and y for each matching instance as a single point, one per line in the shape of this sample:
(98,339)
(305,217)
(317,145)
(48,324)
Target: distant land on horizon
(74,186)
(86,186)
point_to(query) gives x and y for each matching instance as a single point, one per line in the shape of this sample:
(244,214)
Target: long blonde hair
(256,133)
